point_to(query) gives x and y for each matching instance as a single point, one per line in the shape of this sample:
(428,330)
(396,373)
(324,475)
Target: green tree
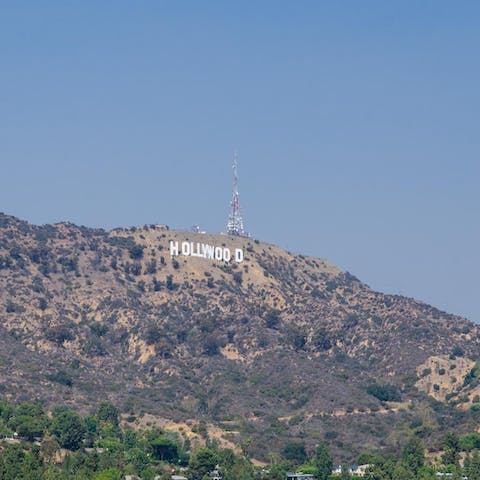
(29,427)
(137,458)
(136,251)
(469,441)
(385,393)
(401,472)
(113,456)
(69,430)
(32,466)
(11,460)
(107,412)
(345,473)
(165,449)
(7,411)
(295,452)
(413,455)
(91,428)
(276,472)
(202,462)
(381,469)
(241,469)
(473,470)
(130,439)
(426,473)
(323,461)
(28,420)
(451,446)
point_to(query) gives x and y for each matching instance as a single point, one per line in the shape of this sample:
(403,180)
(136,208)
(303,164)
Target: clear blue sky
(356,123)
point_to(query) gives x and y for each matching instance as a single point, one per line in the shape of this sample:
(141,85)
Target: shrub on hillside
(153,334)
(458,351)
(272,319)
(59,334)
(135,251)
(385,393)
(61,377)
(212,345)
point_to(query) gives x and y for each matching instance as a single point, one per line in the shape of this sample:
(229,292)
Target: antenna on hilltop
(235,220)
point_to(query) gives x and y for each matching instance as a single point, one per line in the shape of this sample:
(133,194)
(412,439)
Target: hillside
(275,348)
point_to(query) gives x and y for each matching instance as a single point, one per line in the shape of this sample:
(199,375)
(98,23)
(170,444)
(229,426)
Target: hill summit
(257,351)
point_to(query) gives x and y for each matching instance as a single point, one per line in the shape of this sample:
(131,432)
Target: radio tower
(235,220)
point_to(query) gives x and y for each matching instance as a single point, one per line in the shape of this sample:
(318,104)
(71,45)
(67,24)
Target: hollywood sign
(203,250)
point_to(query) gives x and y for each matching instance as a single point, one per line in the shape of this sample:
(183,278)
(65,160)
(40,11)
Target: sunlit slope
(277,342)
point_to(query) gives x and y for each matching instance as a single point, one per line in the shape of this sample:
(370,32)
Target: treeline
(458,459)
(65,445)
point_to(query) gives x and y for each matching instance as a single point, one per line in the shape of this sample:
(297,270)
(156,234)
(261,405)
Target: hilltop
(256,354)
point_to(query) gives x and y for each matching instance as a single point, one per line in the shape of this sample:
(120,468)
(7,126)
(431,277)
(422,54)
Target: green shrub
(136,251)
(458,351)
(169,284)
(272,319)
(59,334)
(61,377)
(385,393)
(472,377)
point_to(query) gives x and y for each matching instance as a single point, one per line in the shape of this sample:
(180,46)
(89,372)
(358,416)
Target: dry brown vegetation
(89,314)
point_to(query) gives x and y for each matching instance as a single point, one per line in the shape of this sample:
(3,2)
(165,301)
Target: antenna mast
(235,220)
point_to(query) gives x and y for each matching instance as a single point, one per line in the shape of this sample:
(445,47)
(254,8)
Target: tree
(69,429)
(401,472)
(136,251)
(323,461)
(170,285)
(28,420)
(426,473)
(413,455)
(458,351)
(295,452)
(451,445)
(369,457)
(137,458)
(202,462)
(107,412)
(473,470)
(33,464)
(165,449)
(29,427)
(241,469)
(11,462)
(277,472)
(345,473)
